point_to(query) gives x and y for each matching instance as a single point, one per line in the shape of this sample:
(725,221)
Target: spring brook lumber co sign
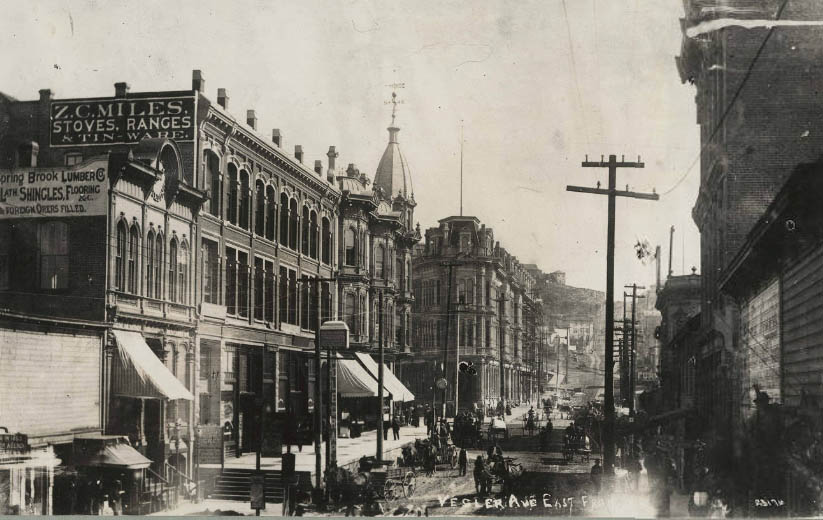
(76,191)
(121,121)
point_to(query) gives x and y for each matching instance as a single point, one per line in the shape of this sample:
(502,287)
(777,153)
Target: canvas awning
(392,385)
(353,380)
(138,372)
(117,456)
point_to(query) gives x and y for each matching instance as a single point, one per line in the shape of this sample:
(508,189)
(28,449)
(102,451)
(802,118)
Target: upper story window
(293,230)
(260,209)
(54,255)
(284,219)
(305,232)
(211,272)
(379,261)
(173,267)
(134,253)
(213,183)
(271,213)
(313,235)
(244,199)
(233,182)
(326,241)
(73,158)
(350,246)
(120,257)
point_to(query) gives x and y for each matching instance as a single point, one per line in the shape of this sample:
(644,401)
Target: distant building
(473,301)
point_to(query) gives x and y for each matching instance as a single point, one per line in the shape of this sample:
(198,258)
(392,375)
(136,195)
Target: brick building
(473,300)
(754,135)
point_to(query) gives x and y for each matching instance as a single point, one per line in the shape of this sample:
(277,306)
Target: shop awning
(392,385)
(353,380)
(113,456)
(138,372)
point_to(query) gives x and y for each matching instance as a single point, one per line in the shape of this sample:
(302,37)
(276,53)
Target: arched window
(213,183)
(379,258)
(271,213)
(350,246)
(284,219)
(293,231)
(159,249)
(313,235)
(173,266)
(244,199)
(326,241)
(233,194)
(151,261)
(305,231)
(182,272)
(134,249)
(120,261)
(260,209)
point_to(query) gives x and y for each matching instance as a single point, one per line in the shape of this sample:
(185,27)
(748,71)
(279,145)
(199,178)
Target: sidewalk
(348,451)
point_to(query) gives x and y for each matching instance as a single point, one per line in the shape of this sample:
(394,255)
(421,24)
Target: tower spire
(394,106)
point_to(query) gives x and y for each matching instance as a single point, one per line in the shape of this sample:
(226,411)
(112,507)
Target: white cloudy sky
(536,85)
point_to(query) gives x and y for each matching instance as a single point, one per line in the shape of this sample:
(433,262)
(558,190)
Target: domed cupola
(393,175)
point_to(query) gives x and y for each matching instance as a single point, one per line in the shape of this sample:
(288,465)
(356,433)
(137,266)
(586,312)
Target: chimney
(121,89)
(318,167)
(251,119)
(332,155)
(198,82)
(45,94)
(276,137)
(298,153)
(223,98)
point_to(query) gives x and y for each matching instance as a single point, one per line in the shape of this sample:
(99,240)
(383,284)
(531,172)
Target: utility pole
(671,245)
(379,454)
(451,266)
(633,353)
(318,403)
(612,193)
(501,314)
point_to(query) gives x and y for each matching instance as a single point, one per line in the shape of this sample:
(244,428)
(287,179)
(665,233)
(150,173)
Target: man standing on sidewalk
(395,428)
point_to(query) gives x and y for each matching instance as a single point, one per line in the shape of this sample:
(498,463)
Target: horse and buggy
(429,453)
(503,472)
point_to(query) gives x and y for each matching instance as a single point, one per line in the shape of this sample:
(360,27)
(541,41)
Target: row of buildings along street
(164,269)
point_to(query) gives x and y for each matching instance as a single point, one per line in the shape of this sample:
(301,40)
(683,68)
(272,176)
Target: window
(361,249)
(284,219)
(259,297)
(231,281)
(326,302)
(173,267)
(313,236)
(288,296)
(260,210)
(326,241)
(244,199)
(292,297)
(233,194)
(467,332)
(182,273)
(54,255)
(271,213)
(151,260)
(134,249)
(398,273)
(437,292)
(269,292)
(159,251)
(461,291)
(348,312)
(284,291)
(243,284)
(5,247)
(304,246)
(379,257)
(211,273)
(120,258)
(213,183)
(350,247)
(307,314)
(293,224)
(73,158)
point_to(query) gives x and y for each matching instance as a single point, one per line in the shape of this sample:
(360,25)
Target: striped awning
(391,384)
(353,380)
(138,372)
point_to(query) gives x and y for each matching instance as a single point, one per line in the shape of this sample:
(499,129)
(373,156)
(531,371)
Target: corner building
(473,302)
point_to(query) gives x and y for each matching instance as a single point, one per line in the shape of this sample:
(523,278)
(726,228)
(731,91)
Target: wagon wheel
(388,490)
(409,484)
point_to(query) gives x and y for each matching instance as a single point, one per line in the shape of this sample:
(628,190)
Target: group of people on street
(486,468)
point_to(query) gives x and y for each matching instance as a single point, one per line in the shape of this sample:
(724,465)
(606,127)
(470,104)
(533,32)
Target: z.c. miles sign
(113,121)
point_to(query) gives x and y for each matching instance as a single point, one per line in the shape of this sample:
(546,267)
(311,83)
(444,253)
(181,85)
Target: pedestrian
(479,471)
(395,428)
(463,461)
(596,475)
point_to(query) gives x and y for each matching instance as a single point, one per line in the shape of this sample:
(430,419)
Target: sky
(535,84)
